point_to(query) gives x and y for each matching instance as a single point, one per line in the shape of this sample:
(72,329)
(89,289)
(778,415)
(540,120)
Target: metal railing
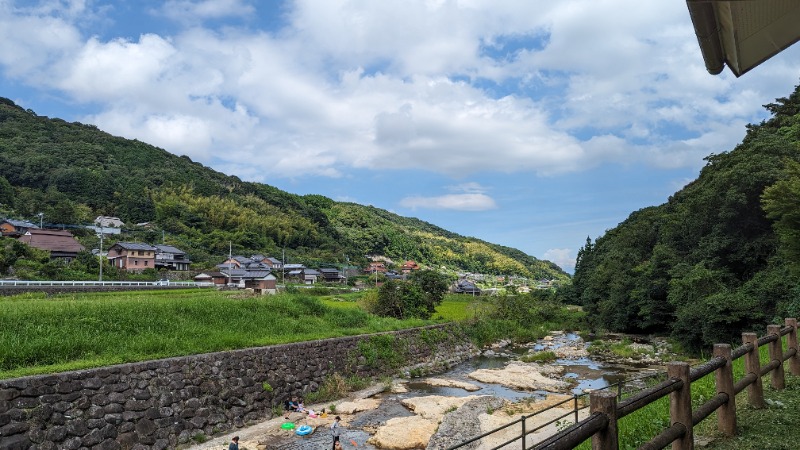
(579,403)
(605,408)
(26,283)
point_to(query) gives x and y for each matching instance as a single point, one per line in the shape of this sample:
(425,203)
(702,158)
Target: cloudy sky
(531,124)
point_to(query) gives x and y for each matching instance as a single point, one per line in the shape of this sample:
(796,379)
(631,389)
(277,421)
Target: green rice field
(41,334)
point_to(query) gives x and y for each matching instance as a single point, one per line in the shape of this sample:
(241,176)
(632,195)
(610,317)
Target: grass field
(40,334)
(774,427)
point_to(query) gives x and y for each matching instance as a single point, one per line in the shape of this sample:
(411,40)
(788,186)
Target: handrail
(675,387)
(24,283)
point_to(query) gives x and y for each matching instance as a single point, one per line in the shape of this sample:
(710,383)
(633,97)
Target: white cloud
(458,202)
(562,257)
(187,11)
(469,196)
(402,85)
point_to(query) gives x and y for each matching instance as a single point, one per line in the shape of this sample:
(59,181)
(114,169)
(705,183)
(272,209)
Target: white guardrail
(97,283)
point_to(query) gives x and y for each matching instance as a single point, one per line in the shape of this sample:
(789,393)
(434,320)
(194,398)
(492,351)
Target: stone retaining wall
(166,403)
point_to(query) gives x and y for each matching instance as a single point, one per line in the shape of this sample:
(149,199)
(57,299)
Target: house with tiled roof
(273,263)
(375,266)
(60,244)
(260,281)
(171,258)
(466,287)
(132,256)
(311,276)
(409,266)
(15,228)
(330,275)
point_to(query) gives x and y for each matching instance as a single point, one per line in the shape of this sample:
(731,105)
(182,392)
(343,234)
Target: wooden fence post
(777,378)
(791,342)
(752,364)
(606,403)
(680,404)
(726,414)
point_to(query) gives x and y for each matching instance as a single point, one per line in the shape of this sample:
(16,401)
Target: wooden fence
(605,410)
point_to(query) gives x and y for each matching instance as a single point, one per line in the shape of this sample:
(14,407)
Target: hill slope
(707,264)
(73,172)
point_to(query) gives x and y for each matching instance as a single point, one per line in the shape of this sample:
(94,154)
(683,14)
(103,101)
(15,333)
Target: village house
(15,228)
(409,266)
(311,276)
(132,256)
(273,263)
(211,279)
(260,281)
(171,258)
(60,244)
(466,287)
(331,275)
(375,266)
(294,272)
(235,262)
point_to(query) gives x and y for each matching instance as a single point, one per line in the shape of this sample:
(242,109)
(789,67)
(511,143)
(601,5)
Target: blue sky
(531,124)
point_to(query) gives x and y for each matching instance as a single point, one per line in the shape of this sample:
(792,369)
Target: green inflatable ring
(288,425)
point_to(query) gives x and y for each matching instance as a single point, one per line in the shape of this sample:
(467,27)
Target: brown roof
(52,240)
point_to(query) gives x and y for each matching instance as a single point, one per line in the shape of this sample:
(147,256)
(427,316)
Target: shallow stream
(589,374)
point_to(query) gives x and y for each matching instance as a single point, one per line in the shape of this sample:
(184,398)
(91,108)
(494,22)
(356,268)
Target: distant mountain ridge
(73,172)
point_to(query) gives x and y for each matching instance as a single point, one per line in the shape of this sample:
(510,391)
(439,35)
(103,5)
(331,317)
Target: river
(581,369)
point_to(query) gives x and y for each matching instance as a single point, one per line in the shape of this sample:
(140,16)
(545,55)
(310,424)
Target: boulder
(447,382)
(352,407)
(524,376)
(404,433)
(434,407)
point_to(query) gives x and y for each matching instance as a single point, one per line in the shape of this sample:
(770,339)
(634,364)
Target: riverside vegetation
(45,334)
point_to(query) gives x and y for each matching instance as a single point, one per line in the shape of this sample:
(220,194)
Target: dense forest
(72,172)
(722,256)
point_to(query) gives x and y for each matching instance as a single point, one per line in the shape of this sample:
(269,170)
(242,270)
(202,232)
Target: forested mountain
(720,257)
(73,172)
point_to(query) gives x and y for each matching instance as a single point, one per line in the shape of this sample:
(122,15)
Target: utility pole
(41,217)
(100,254)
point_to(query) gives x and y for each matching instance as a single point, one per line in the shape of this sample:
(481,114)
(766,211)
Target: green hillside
(720,257)
(73,172)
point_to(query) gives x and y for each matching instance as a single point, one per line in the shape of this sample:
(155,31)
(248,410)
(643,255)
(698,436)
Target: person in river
(336,430)
(289,407)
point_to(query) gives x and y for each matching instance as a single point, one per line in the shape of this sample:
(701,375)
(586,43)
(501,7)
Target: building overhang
(743,33)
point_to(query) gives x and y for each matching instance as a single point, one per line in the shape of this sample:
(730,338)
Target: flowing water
(588,373)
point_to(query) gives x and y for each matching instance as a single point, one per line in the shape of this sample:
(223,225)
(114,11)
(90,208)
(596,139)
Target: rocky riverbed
(473,398)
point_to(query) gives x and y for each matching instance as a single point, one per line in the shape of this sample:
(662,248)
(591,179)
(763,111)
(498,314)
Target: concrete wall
(164,403)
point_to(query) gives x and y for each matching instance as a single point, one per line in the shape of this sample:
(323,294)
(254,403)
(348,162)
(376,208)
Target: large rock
(404,433)
(434,407)
(457,428)
(524,376)
(448,382)
(352,407)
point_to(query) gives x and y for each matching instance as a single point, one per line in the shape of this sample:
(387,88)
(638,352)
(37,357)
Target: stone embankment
(171,402)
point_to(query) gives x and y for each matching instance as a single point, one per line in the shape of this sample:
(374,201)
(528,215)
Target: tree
(401,300)
(6,193)
(433,286)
